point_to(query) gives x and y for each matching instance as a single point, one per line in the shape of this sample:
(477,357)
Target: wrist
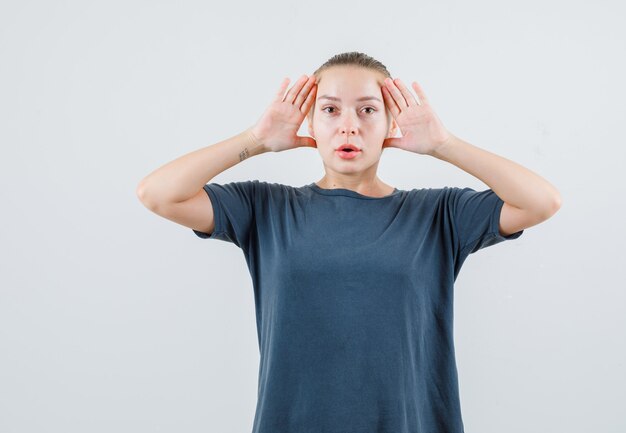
(257,144)
(444,147)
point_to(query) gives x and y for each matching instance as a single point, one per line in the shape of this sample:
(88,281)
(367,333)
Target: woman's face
(342,115)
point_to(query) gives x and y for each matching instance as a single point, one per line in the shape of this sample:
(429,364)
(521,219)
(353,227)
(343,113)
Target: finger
(281,92)
(395,93)
(308,102)
(408,96)
(389,102)
(293,92)
(305,91)
(420,93)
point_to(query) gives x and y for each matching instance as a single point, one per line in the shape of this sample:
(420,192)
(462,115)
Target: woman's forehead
(349,73)
(351,84)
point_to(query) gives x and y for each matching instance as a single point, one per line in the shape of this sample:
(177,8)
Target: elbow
(556,202)
(141,194)
(553,207)
(140,191)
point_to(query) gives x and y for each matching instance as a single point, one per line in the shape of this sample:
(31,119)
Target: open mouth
(348,151)
(348,147)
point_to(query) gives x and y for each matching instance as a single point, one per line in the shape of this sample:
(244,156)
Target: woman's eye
(366,108)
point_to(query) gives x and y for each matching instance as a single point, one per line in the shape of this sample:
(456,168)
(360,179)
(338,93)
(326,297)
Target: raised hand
(277,128)
(422,131)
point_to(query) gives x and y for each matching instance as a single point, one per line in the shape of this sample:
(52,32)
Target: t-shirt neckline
(348,192)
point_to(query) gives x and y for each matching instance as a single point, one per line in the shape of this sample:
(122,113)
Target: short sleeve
(476,217)
(233,211)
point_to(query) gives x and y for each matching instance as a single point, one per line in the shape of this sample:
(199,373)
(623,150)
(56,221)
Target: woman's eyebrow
(362,98)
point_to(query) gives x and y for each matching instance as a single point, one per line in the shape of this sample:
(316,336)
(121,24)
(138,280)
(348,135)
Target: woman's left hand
(422,131)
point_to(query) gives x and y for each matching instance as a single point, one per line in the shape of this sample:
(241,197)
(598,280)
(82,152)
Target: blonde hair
(353,58)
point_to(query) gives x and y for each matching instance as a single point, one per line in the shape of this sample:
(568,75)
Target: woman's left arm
(528,198)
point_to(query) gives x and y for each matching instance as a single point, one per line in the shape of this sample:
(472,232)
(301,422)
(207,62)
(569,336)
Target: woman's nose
(348,129)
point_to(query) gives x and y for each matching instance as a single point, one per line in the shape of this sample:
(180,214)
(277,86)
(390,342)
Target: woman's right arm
(176,190)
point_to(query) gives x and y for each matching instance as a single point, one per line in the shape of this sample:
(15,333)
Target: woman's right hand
(277,128)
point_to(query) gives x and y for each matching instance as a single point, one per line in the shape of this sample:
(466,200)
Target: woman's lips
(347,155)
(348,151)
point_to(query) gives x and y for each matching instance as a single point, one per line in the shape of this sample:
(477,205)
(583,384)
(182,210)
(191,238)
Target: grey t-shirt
(354,301)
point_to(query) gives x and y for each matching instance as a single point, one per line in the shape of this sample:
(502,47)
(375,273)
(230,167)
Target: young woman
(353,278)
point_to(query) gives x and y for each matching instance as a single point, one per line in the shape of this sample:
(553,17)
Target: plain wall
(115,319)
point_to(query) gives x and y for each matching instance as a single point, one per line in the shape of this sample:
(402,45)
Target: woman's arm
(182,178)
(529,199)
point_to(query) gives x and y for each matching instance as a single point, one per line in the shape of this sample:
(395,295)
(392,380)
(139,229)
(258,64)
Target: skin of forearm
(183,177)
(513,183)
